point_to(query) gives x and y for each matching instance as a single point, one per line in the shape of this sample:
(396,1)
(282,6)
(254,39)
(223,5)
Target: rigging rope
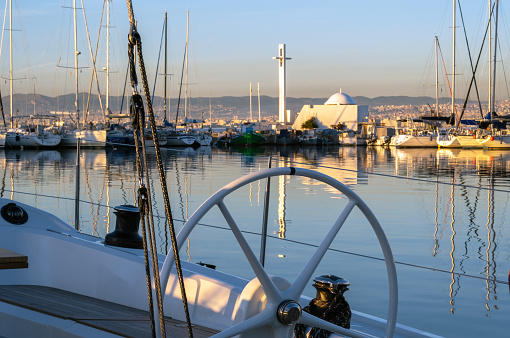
(135,40)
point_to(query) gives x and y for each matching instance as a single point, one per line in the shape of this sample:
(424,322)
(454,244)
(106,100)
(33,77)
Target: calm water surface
(443,211)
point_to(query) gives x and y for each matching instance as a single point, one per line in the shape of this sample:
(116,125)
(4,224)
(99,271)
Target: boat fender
(329,304)
(492,138)
(126,228)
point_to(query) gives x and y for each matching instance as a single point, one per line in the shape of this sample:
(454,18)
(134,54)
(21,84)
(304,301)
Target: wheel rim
(277,298)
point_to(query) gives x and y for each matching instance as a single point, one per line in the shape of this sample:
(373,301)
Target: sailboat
(30,136)
(89,138)
(498,139)
(201,138)
(481,138)
(420,138)
(175,138)
(447,138)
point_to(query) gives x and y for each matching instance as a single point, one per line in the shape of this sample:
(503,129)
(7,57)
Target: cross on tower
(282,116)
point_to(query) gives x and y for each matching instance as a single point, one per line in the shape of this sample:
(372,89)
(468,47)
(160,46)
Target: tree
(310,124)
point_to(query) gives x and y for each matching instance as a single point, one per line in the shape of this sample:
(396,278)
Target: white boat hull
(63,258)
(448,141)
(498,142)
(468,141)
(89,138)
(180,140)
(31,140)
(414,141)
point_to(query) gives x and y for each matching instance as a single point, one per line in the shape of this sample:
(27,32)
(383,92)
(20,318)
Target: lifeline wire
(308,244)
(286,239)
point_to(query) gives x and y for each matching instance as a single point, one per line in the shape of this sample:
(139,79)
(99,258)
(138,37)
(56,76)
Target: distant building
(339,111)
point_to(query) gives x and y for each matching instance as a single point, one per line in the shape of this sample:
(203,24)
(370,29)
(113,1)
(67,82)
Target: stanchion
(264,220)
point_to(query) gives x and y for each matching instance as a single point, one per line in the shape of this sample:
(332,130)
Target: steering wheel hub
(289,312)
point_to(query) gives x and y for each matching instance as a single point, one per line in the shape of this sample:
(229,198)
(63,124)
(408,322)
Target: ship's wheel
(281,309)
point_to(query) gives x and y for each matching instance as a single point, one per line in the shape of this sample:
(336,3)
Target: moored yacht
(447,139)
(31,137)
(88,138)
(422,139)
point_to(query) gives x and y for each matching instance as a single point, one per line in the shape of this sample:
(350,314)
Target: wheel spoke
(308,319)
(304,276)
(261,319)
(271,291)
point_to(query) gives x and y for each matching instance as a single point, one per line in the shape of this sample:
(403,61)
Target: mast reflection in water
(443,211)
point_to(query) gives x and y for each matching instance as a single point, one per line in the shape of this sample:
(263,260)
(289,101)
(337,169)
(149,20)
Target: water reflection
(443,209)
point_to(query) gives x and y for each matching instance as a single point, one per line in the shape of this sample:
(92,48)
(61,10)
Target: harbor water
(445,213)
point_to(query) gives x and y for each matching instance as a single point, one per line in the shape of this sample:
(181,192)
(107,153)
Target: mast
(258,95)
(437,79)
(76,53)
(186,80)
(164,96)
(10,60)
(493,107)
(251,114)
(453,67)
(107,108)
(490,57)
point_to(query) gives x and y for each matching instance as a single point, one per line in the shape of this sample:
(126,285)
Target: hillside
(226,107)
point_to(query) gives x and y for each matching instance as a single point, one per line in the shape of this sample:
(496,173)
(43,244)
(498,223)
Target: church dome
(340,99)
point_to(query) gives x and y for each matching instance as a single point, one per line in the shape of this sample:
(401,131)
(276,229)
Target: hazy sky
(370,48)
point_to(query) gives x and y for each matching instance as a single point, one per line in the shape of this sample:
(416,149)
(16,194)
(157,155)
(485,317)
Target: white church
(339,109)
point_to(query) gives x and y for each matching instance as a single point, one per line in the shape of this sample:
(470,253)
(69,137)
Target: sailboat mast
(164,96)
(76,103)
(453,67)
(10,60)
(107,108)
(490,57)
(258,95)
(186,79)
(493,107)
(437,79)
(251,114)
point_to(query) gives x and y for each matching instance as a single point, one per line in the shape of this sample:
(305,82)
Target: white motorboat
(60,282)
(31,138)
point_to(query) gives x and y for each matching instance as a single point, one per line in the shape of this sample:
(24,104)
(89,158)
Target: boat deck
(107,316)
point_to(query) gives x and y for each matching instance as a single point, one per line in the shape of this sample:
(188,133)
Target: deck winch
(126,228)
(329,304)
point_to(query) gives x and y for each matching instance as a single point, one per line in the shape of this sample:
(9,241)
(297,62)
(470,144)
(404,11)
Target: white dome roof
(340,99)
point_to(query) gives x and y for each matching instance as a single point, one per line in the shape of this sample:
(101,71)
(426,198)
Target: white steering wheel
(282,310)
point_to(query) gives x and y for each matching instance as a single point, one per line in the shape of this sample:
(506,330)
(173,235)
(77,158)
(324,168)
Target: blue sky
(369,48)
